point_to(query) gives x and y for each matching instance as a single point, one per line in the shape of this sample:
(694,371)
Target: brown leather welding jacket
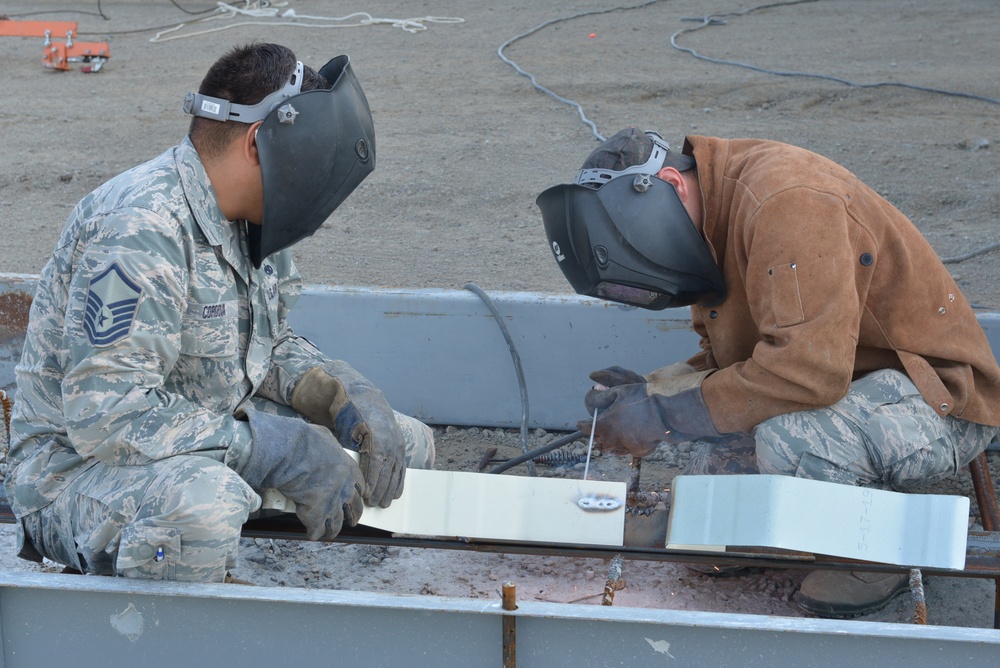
(826,281)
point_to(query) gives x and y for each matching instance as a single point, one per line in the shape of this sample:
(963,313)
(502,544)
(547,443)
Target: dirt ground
(465,144)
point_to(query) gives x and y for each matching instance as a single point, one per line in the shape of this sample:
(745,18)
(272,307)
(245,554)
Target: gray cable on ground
(971,254)
(718,19)
(534,81)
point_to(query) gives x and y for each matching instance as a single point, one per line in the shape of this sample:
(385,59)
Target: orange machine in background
(58,54)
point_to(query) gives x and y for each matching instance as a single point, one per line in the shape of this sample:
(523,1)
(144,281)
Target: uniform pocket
(786,302)
(149,552)
(210,330)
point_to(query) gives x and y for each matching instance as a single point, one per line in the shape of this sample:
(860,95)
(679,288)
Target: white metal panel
(920,530)
(495,507)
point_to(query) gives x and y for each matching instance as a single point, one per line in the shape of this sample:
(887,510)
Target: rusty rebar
(613,583)
(5,400)
(919,602)
(989,513)
(986,497)
(633,483)
(508,601)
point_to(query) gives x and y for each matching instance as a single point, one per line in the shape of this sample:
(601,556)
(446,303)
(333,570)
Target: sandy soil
(465,144)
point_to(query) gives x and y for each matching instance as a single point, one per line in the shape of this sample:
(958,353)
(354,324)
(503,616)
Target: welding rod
(531,454)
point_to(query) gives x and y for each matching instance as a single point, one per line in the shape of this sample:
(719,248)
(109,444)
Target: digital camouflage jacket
(149,328)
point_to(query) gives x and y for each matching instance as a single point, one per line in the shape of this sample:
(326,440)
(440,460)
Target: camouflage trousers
(882,434)
(174,519)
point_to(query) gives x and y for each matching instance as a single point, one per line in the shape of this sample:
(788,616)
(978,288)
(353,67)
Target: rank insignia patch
(112,300)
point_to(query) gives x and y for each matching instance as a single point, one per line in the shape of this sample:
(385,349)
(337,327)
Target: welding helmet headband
(630,241)
(315,148)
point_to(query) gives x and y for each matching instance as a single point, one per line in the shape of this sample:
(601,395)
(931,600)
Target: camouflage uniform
(882,434)
(150,328)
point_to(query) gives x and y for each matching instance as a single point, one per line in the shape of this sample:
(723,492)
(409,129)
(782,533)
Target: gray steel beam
(50,619)
(440,356)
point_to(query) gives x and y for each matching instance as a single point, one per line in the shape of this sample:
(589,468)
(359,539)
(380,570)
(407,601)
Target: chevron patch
(112,300)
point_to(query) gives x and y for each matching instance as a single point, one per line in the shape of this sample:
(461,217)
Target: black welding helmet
(315,148)
(625,236)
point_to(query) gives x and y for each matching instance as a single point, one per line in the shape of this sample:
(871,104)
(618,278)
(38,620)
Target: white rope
(261,9)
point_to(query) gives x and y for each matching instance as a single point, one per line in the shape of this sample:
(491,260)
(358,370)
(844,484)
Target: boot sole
(847,611)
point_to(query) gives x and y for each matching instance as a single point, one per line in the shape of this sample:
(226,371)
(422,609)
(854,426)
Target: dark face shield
(632,245)
(315,149)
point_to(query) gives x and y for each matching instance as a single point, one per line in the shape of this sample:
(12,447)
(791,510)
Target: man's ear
(250,144)
(674,178)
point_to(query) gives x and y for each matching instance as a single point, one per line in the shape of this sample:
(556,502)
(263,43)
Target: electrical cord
(521,384)
(718,19)
(537,452)
(534,81)
(707,21)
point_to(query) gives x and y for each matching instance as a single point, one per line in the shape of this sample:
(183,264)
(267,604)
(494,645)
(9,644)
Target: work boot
(719,571)
(230,579)
(843,594)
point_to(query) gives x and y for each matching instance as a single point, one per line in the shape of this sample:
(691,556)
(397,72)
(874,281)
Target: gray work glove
(306,464)
(341,399)
(633,418)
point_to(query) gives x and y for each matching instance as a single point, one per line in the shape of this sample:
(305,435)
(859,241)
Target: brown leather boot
(843,594)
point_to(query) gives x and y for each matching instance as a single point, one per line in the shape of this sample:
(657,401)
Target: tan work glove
(345,402)
(674,379)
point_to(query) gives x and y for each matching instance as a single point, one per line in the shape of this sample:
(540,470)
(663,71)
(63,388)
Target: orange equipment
(58,55)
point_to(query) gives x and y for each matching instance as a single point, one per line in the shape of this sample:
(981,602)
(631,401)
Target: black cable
(534,81)
(717,20)
(202,11)
(971,254)
(52,11)
(537,452)
(522,386)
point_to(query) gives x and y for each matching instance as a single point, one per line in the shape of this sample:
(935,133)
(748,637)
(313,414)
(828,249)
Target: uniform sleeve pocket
(786,302)
(147,551)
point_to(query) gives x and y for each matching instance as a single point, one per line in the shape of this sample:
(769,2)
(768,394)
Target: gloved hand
(632,419)
(305,463)
(668,380)
(342,400)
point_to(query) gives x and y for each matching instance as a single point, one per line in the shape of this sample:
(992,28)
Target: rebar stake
(633,483)
(919,602)
(614,573)
(509,602)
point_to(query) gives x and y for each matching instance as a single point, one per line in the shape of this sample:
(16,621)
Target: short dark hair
(245,74)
